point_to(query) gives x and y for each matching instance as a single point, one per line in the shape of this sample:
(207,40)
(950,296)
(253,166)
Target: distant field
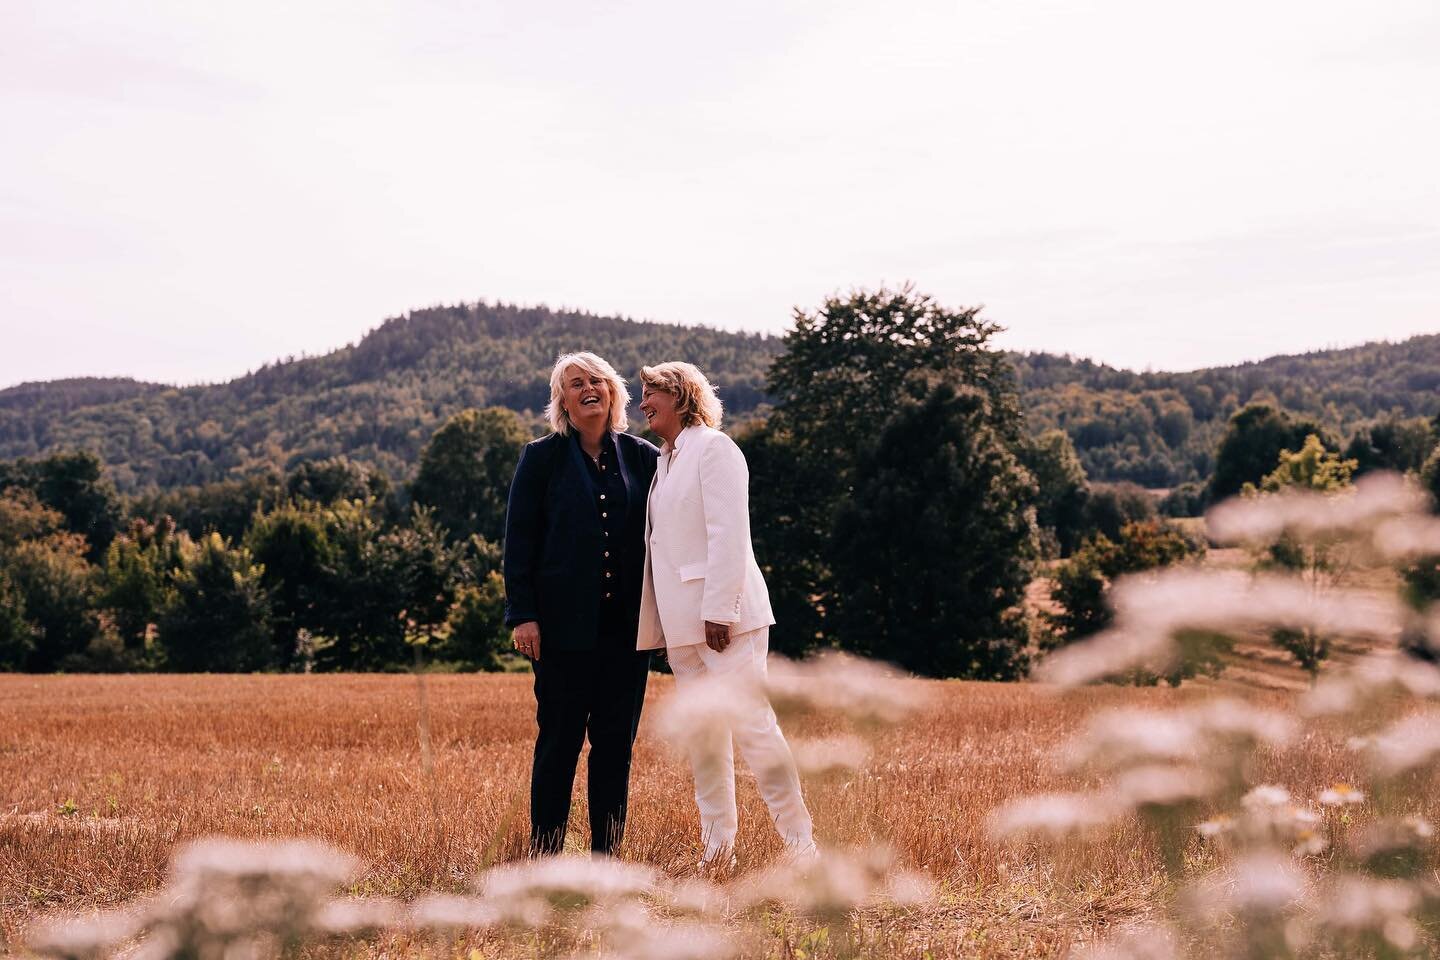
(101,776)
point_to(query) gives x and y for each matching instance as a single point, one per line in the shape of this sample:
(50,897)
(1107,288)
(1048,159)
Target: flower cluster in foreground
(238,900)
(1260,872)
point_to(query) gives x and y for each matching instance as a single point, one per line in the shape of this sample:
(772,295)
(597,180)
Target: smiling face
(586,399)
(659,410)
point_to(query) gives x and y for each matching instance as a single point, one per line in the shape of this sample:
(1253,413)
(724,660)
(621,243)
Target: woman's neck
(592,439)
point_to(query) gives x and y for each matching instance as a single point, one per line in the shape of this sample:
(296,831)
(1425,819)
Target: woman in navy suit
(574,565)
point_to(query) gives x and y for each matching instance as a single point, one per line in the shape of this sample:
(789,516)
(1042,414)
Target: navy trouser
(594,692)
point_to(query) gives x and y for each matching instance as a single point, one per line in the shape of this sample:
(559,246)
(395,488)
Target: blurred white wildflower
(694,897)
(1151,608)
(1105,654)
(1308,514)
(222,889)
(229,899)
(1051,815)
(1140,942)
(1385,841)
(1216,826)
(1265,795)
(835,882)
(1360,904)
(710,708)
(1241,725)
(1372,676)
(567,883)
(84,936)
(1262,883)
(1159,785)
(863,690)
(1405,745)
(353,916)
(1130,736)
(1340,795)
(1271,819)
(443,912)
(688,941)
(1403,538)
(831,754)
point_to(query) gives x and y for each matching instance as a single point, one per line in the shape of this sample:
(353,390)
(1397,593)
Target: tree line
(901,506)
(378,401)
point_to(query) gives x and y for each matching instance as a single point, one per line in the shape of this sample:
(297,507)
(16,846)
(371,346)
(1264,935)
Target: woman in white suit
(704,600)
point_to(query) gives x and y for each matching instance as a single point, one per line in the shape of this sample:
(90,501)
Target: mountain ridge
(378,398)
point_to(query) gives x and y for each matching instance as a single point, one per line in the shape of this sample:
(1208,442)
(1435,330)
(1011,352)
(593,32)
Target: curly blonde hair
(595,366)
(695,398)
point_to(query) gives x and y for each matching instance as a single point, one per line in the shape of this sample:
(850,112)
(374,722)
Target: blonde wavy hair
(595,366)
(695,398)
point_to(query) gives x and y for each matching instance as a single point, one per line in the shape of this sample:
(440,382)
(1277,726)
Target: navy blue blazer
(554,544)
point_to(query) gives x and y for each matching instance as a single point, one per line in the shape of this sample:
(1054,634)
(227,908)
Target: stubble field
(101,777)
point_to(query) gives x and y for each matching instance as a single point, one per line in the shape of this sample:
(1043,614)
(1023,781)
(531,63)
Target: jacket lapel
(583,487)
(632,495)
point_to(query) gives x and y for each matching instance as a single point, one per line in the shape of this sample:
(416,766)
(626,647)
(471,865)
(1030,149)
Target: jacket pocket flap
(692,571)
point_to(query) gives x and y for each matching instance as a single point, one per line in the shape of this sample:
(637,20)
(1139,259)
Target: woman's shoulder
(638,444)
(716,442)
(547,442)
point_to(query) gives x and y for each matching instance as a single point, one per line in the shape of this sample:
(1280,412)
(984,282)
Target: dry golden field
(101,776)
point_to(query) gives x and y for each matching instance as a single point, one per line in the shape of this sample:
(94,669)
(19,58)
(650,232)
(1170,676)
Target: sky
(189,190)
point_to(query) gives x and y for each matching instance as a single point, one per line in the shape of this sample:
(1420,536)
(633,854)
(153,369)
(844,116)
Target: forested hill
(379,400)
(1159,429)
(376,401)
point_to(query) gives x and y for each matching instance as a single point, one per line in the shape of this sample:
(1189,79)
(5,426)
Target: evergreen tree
(335,478)
(466,468)
(390,590)
(293,546)
(846,369)
(1391,443)
(136,577)
(475,634)
(933,549)
(787,519)
(1063,490)
(218,617)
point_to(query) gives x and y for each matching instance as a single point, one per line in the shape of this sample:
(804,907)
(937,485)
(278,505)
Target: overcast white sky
(189,189)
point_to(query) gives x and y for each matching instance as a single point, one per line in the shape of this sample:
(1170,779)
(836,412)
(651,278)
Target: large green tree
(788,520)
(1391,443)
(53,585)
(934,546)
(136,578)
(466,468)
(1062,489)
(293,545)
(391,589)
(847,369)
(1256,435)
(1320,562)
(74,483)
(218,617)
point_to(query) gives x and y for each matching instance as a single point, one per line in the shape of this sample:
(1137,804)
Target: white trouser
(756,731)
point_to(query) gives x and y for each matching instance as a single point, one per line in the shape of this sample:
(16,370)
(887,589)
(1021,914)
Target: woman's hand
(717,636)
(526,638)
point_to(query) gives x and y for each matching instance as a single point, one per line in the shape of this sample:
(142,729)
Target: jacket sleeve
(523,537)
(725,497)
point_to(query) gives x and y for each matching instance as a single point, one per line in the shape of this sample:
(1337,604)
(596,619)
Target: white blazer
(699,564)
